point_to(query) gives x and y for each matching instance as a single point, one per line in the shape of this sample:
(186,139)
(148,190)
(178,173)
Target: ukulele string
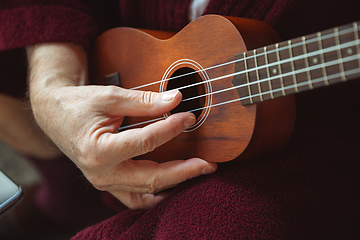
(299,57)
(278,63)
(323,37)
(341,46)
(315,67)
(320,79)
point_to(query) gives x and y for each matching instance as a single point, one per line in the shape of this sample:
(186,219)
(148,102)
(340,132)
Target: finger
(126,102)
(139,201)
(144,176)
(135,142)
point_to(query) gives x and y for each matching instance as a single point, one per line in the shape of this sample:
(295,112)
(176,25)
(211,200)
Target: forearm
(52,68)
(56,65)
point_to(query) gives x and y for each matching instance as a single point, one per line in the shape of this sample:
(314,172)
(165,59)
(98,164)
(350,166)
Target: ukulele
(241,92)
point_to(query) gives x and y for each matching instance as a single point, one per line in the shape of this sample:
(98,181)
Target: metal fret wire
(315,67)
(322,59)
(279,65)
(306,62)
(338,50)
(292,67)
(329,49)
(257,75)
(268,72)
(333,76)
(327,36)
(344,45)
(247,78)
(356,34)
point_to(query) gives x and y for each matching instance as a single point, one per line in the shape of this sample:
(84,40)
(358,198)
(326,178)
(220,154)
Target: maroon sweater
(308,190)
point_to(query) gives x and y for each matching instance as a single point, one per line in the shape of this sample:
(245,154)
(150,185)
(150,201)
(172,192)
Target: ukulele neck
(297,65)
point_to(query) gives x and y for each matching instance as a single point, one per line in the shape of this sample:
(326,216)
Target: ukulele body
(223,132)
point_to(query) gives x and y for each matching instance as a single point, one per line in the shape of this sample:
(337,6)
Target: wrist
(52,68)
(56,65)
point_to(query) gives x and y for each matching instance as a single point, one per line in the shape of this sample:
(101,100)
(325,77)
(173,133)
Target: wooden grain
(230,130)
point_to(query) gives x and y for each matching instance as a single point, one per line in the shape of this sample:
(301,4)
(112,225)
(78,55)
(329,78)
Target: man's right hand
(83,121)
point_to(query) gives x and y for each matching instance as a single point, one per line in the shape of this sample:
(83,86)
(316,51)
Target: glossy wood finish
(229,131)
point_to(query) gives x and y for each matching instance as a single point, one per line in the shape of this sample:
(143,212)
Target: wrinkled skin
(83,120)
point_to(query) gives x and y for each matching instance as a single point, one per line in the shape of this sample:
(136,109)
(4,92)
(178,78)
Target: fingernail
(169,95)
(208,170)
(191,120)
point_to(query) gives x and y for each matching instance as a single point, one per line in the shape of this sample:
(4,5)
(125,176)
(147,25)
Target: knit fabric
(170,15)
(290,18)
(30,22)
(307,191)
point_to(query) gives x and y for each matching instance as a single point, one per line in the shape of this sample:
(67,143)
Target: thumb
(126,102)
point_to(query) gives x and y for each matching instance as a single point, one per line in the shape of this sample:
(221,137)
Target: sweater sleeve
(28,22)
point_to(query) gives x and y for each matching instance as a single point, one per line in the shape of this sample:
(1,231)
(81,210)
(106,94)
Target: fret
(280,72)
(268,73)
(262,74)
(326,81)
(331,55)
(253,77)
(306,62)
(257,75)
(348,45)
(341,65)
(274,71)
(347,42)
(301,64)
(287,72)
(240,80)
(314,60)
(247,79)
(292,67)
(356,35)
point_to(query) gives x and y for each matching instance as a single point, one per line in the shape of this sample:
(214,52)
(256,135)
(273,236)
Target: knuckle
(148,144)
(108,93)
(176,125)
(110,90)
(153,185)
(146,98)
(176,129)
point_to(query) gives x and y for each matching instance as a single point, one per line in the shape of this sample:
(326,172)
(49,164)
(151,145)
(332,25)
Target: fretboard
(297,65)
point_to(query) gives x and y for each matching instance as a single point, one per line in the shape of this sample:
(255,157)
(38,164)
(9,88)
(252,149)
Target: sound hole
(187,77)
